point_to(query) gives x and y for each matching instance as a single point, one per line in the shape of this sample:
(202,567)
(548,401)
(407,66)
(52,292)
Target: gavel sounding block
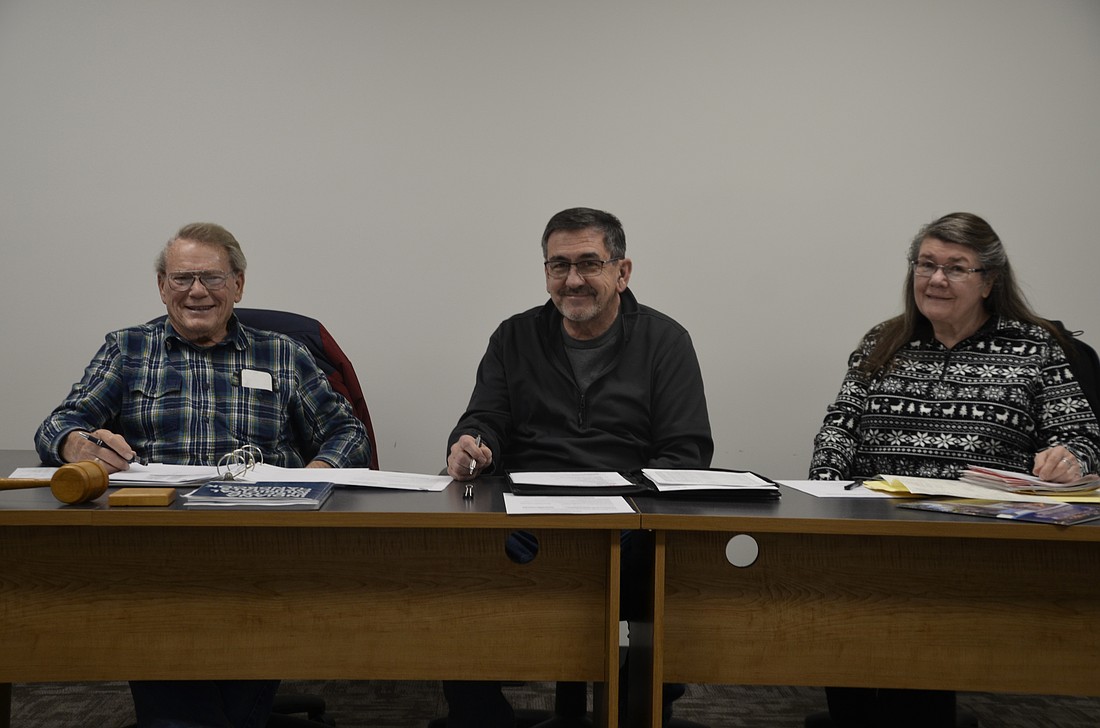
(142,497)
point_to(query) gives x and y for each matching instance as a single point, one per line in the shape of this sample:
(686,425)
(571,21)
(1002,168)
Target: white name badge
(254,379)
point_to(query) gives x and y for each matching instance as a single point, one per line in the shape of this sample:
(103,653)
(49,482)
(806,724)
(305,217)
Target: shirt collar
(234,336)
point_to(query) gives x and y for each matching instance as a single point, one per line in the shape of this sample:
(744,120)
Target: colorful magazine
(1062,514)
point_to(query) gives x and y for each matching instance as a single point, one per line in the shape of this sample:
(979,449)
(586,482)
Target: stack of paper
(717,484)
(161,474)
(676,480)
(572,483)
(1024,483)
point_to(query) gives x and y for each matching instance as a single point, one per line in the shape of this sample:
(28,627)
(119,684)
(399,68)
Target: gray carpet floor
(411,704)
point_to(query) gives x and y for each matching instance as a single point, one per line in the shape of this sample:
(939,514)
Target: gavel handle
(16,483)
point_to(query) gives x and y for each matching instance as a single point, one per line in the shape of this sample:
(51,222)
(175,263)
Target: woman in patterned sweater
(968,374)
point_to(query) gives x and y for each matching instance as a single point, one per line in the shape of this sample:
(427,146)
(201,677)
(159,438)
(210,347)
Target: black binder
(640,485)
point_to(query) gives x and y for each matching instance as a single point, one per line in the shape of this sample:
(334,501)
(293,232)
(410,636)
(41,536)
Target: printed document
(535,505)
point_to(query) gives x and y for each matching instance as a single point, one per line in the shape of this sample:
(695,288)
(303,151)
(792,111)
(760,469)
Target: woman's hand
(1056,465)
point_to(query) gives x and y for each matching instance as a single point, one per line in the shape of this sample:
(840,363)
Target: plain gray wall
(389,167)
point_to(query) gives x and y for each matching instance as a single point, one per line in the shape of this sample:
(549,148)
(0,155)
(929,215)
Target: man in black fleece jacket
(591,380)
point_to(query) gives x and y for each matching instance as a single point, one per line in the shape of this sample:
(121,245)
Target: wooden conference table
(856,592)
(399,585)
(378,585)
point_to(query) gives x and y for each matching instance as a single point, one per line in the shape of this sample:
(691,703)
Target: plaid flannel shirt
(182,404)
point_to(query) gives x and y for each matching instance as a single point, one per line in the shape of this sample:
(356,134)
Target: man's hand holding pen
(468,457)
(101,446)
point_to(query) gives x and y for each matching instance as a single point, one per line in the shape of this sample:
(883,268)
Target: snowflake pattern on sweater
(994,399)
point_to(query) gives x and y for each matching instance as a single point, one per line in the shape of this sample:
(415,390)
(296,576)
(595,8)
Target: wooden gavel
(73,483)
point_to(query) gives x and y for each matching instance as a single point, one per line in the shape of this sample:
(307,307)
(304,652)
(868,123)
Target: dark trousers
(481,704)
(890,708)
(477,704)
(203,703)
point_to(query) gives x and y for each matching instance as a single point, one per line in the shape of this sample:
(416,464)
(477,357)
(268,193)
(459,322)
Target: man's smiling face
(198,314)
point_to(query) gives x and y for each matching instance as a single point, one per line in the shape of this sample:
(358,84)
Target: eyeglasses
(210,281)
(953,272)
(585,268)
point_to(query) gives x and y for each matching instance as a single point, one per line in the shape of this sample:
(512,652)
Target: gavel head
(79,482)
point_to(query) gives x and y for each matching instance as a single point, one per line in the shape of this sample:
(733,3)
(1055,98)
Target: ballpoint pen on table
(96,441)
(853,485)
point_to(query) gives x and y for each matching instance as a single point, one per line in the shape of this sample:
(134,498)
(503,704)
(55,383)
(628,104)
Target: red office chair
(330,357)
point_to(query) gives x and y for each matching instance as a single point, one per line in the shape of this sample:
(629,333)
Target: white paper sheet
(160,474)
(685,480)
(832,489)
(152,474)
(521,505)
(364,477)
(595,479)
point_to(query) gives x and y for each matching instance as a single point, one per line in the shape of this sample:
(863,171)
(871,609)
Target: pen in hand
(96,441)
(473,463)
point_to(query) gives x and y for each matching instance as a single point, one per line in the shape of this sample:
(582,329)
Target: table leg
(5,705)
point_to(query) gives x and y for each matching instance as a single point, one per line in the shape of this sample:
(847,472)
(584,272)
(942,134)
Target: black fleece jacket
(649,410)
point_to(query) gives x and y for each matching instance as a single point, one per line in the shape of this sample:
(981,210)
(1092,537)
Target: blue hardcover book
(295,496)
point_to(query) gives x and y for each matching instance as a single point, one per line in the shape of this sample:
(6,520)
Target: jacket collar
(550,318)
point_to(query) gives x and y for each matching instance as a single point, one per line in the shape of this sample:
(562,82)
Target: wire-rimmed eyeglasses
(586,268)
(952,271)
(211,281)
